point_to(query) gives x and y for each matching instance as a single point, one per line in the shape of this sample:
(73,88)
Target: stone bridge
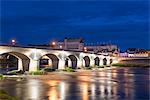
(29,58)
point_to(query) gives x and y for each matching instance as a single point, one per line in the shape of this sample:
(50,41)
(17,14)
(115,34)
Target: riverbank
(61,74)
(54,73)
(136,62)
(131,65)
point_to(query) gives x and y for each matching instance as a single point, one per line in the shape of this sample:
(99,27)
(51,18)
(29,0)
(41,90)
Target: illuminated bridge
(31,58)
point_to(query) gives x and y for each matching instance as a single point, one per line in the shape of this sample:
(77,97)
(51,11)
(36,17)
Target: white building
(77,44)
(69,44)
(107,49)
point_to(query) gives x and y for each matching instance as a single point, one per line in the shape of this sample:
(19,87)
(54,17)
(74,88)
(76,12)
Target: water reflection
(84,88)
(115,84)
(33,89)
(93,90)
(63,90)
(53,91)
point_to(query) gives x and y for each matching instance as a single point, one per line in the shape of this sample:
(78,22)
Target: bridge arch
(51,60)
(111,61)
(22,60)
(97,61)
(87,61)
(45,61)
(67,62)
(73,60)
(104,61)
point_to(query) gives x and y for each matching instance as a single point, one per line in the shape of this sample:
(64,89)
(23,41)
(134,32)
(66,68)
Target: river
(106,84)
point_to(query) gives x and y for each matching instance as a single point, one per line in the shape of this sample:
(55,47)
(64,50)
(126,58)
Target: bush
(37,73)
(5,96)
(48,69)
(118,64)
(102,66)
(88,68)
(69,69)
(1,76)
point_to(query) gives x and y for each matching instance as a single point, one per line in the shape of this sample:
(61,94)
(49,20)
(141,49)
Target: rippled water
(109,84)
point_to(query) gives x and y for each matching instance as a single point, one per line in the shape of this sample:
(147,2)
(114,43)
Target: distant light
(85,49)
(53,43)
(60,46)
(13,41)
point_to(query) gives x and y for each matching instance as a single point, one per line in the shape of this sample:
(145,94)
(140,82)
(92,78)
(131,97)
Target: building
(72,44)
(69,44)
(106,49)
(134,52)
(77,44)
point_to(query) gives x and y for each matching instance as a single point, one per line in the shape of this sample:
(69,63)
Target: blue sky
(123,22)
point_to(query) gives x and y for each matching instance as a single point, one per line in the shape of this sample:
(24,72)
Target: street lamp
(53,43)
(13,41)
(85,49)
(60,46)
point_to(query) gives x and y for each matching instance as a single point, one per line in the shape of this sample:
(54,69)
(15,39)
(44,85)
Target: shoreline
(62,73)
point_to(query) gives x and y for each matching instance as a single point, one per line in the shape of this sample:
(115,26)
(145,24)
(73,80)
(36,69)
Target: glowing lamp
(13,41)
(60,46)
(85,49)
(53,43)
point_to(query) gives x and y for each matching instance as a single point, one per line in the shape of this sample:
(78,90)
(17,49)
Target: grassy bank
(1,76)
(69,69)
(5,96)
(129,65)
(37,73)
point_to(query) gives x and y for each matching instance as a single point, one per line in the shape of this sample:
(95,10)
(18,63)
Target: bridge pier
(49,63)
(108,62)
(92,62)
(69,63)
(20,65)
(61,64)
(83,63)
(34,65)
(79,63)
(101,62)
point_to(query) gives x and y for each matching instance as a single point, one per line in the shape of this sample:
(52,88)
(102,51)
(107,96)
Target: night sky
(122,22)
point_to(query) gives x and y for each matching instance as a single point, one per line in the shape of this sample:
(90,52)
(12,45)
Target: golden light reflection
(114,73)
(102,73)
(84,88)
(84,78)
(53,94)
(53,91)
